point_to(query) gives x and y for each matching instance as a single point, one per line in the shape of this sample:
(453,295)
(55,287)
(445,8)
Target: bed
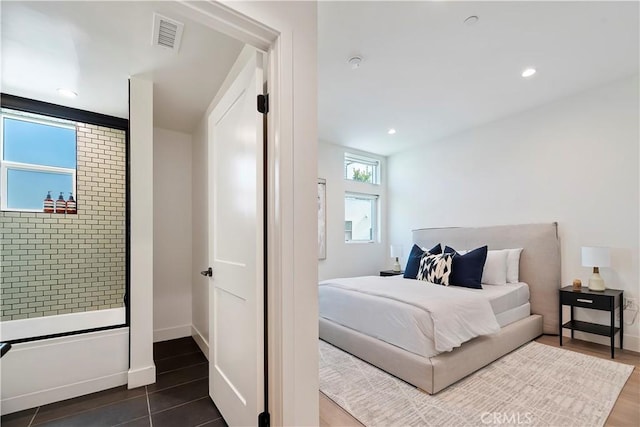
(523,311)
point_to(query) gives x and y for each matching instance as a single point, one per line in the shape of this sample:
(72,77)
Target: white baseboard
(172,333)
(142,376)
(632,343)
(202,341)
(44,397)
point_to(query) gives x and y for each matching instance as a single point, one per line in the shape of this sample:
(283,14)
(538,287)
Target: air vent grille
(167,32)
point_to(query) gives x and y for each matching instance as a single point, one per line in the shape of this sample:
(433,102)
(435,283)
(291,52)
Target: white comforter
(457,316)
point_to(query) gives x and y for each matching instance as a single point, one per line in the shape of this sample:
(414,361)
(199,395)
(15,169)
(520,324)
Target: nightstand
(385,273)
(606,300)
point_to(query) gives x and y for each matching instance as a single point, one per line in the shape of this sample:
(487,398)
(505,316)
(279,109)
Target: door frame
(277,45)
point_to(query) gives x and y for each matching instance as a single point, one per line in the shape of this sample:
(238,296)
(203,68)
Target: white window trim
(38,118)
(365,160)
(4,174)
(375,215)
(5,165)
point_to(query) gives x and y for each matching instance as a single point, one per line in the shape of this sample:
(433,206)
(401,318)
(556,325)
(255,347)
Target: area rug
(536,385)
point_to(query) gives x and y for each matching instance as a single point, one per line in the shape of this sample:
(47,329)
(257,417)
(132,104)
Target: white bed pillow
(513,265)
(495,268)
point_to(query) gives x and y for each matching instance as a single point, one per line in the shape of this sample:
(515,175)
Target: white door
(236,250)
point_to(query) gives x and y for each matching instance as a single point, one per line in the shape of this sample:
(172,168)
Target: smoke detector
(167,32)
(355,62)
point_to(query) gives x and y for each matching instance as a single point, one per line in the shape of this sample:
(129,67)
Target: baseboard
(172,333)
(68,391)
(142,376)
(43,397)
(202,342)
(632,343)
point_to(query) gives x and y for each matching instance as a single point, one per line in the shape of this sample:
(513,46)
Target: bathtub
(50,325)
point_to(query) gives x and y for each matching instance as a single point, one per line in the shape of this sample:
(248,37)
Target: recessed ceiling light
(391,131)
(67,92)
(355,61)
(528,72)
(471,20)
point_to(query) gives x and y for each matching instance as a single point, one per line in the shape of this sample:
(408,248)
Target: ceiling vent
(167,32)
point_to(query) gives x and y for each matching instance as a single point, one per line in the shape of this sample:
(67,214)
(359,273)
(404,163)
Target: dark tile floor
(179,398)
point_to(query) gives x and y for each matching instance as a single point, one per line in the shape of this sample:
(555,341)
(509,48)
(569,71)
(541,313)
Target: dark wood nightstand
(385,273)
(606,300)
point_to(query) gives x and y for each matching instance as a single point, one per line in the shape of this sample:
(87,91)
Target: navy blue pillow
(466,270)
(413,262)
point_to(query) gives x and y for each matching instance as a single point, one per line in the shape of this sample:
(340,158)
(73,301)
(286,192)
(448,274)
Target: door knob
(208,272)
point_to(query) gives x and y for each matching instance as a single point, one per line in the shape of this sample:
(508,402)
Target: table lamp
(396,252)
(596,257)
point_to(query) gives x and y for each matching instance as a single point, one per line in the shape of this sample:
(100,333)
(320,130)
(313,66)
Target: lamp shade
(593,256)
(396,251)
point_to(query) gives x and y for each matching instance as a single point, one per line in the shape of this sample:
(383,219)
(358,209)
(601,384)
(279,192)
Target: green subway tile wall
(61,263)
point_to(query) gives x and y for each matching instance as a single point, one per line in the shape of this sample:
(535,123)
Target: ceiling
(428,75)
(93,48)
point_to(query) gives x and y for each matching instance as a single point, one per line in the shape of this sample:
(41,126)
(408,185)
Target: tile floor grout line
(34,416)
(89,409)
(146,390)
(127,422)
(179,384)
(181,404)
(182,367)
(178,355)
(210,421)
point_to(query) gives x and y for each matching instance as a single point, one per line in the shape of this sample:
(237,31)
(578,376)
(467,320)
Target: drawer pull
(584,300)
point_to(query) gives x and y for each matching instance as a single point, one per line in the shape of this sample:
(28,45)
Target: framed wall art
(322,218)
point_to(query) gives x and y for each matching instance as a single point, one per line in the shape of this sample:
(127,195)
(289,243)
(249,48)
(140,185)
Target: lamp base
(396,266)
(596,283)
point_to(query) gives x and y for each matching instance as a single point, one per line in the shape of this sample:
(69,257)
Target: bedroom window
(37,157)
(360,218)
(361,168)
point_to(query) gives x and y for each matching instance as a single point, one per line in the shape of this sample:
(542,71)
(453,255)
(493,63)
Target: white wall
(574,161)
(199,238)
(142,370)
(350,259)
(171,234)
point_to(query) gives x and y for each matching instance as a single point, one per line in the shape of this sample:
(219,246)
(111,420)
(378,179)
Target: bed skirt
(438,372)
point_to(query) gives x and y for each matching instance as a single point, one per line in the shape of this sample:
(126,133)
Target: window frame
(365,160)
(6,165)
(375,215)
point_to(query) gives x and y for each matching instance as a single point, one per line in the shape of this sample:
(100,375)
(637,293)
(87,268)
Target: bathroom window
(38,157)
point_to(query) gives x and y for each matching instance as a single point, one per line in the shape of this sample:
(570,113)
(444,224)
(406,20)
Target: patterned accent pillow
(435,268)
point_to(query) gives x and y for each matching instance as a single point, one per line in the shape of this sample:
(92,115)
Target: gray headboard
(539,261)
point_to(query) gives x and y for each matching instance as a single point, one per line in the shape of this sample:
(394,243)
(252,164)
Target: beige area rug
(536,385)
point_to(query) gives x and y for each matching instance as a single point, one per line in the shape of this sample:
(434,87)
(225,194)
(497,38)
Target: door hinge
(263,104)
(263,419)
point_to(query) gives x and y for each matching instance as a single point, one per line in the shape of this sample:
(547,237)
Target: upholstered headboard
(539,261)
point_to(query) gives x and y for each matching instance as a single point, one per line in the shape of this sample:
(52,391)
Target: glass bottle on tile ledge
(47,205)
(61,205)
(71,205)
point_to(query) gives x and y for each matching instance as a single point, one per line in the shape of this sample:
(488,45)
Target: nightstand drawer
(578,299)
